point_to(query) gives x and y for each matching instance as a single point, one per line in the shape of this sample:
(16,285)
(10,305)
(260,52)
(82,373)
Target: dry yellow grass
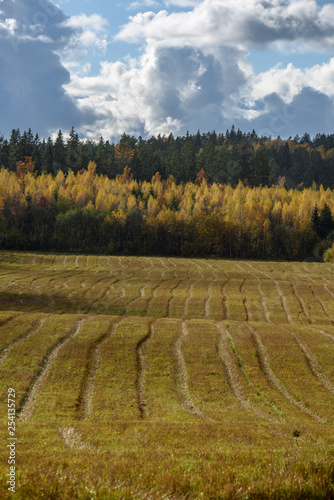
(167,378)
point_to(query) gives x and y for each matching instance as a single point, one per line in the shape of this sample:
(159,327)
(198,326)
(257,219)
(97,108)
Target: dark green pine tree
(15,149)
(326,223)
(47,157)
(59,154)
(260,167)
(73,159)
(242,166)
(315,219)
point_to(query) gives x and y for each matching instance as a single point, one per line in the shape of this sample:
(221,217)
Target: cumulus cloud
(309,111)
(193,71)
(226,22)
(32,75)
(90,30)
(166,90)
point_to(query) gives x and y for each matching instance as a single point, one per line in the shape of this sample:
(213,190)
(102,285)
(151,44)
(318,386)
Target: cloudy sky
(151,67)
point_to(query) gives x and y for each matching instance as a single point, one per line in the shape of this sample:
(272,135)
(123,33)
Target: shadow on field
(31,302)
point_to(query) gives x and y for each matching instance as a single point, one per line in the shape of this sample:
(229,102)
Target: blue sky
(148,67)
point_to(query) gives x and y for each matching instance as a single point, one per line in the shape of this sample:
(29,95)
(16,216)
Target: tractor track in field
(104,293)
(31,331)
(283,302)
(244,300)
(199,269)
(279,292)
(141,363)
(326,334)
(141,295)
(5,321)
(312,363)
(190,295)
(84,402)
(232,374)
(322,305)
(171,296)
(264,305)
(210,296)
(181,377)
(26,405)
(302,304)
(91,288)
(328,291)
(225,299)
(273,380)
(164,265)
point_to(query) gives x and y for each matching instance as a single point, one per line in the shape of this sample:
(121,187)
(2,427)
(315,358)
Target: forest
(225,158)
(89,212)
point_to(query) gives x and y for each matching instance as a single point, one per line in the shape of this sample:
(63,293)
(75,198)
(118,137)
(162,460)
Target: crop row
(157,288)
(70,368)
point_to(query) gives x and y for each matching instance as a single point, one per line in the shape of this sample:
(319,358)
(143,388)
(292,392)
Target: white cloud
(193,71)
(182,3)
(94,22)
(227,22)
(143,3)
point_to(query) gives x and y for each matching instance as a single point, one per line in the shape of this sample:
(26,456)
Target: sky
(149,67)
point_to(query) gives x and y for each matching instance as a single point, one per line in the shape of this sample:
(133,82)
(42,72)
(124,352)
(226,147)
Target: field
(156,378)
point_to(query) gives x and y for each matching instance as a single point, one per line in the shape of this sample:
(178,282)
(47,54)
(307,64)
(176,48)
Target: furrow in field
(35,329)
(263,300)
(244,300)
(283,302)
(121,297)
(162,261)
(190,294)
(92,290)
(175,303)
(198,267)
(104,295)
(328,291)
(7,319)
(265,366)
(225,299)
(171,296)
(235,299)
(172,263)
(210,296)
(141,295)
(302,305)
(141,358)
(223,349)
(312,363)
(181,377)
(214,301)
(322,304)
(85,399)
(26,406)
(326,334)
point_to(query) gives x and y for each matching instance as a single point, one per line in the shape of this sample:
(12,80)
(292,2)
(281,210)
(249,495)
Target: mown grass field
(156,378)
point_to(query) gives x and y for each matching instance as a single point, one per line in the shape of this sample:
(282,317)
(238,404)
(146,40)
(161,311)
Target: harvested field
(167,378)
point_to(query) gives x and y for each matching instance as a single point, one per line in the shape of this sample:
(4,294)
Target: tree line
(88,212)
(226,157)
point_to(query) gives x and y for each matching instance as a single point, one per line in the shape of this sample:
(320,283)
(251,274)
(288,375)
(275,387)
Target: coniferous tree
(73,151)
(59,154)
(326,223)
